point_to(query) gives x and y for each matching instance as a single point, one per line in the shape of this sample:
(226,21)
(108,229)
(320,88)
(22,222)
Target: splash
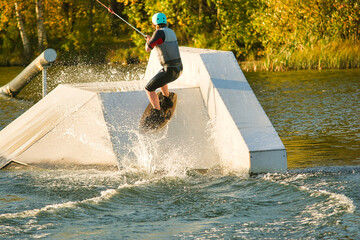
(156,153)
(184,143)
(96,73)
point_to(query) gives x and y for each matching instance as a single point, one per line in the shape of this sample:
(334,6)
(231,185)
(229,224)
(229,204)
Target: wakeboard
(147,126)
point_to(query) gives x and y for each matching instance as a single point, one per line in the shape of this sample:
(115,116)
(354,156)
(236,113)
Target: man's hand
(147,38)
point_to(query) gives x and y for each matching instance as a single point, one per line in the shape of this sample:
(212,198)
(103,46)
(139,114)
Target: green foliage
(304,31)
(267,34)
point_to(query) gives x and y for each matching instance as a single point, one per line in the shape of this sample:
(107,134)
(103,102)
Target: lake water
(316,114)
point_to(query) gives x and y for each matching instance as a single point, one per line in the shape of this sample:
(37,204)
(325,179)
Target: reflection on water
(11,108)
(316,114)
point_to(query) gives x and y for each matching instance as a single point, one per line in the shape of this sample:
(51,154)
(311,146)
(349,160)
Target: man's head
(159,19)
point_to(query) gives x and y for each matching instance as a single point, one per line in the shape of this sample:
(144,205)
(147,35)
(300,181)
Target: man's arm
(157,39)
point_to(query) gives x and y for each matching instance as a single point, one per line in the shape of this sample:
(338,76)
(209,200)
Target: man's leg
(156,116)
(154,99)
(165,90)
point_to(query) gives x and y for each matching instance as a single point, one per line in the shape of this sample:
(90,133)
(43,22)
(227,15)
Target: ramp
(64,128)
(73,126)
(218,121)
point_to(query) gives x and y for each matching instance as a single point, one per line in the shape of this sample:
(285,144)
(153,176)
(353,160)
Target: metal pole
(44,81)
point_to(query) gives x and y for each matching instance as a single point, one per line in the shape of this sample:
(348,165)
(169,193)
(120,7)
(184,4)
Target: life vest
(168,51)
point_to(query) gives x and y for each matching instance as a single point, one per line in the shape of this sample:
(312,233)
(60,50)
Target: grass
(337,54)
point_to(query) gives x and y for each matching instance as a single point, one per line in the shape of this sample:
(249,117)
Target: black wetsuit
(165,42)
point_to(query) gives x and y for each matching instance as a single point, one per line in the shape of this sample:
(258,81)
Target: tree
(42,40)
(24,36)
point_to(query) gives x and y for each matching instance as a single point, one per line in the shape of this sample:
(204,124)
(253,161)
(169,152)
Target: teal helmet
(159,18)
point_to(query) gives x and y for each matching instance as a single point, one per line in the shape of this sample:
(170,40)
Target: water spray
(112,12)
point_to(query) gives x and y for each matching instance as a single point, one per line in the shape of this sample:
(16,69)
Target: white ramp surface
(66,127)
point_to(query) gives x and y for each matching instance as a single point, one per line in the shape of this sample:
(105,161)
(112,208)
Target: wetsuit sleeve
(157,39)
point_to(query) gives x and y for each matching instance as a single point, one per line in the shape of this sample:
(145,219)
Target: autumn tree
(42,40)
(252,30)
(23,34)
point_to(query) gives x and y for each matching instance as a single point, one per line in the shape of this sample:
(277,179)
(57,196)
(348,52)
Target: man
(165,42)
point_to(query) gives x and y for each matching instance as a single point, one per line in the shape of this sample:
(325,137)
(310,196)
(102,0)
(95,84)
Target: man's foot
(166,102)
(155,118)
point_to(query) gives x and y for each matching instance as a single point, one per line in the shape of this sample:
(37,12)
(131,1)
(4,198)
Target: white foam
(337,198)
(335,202)
(104,195)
